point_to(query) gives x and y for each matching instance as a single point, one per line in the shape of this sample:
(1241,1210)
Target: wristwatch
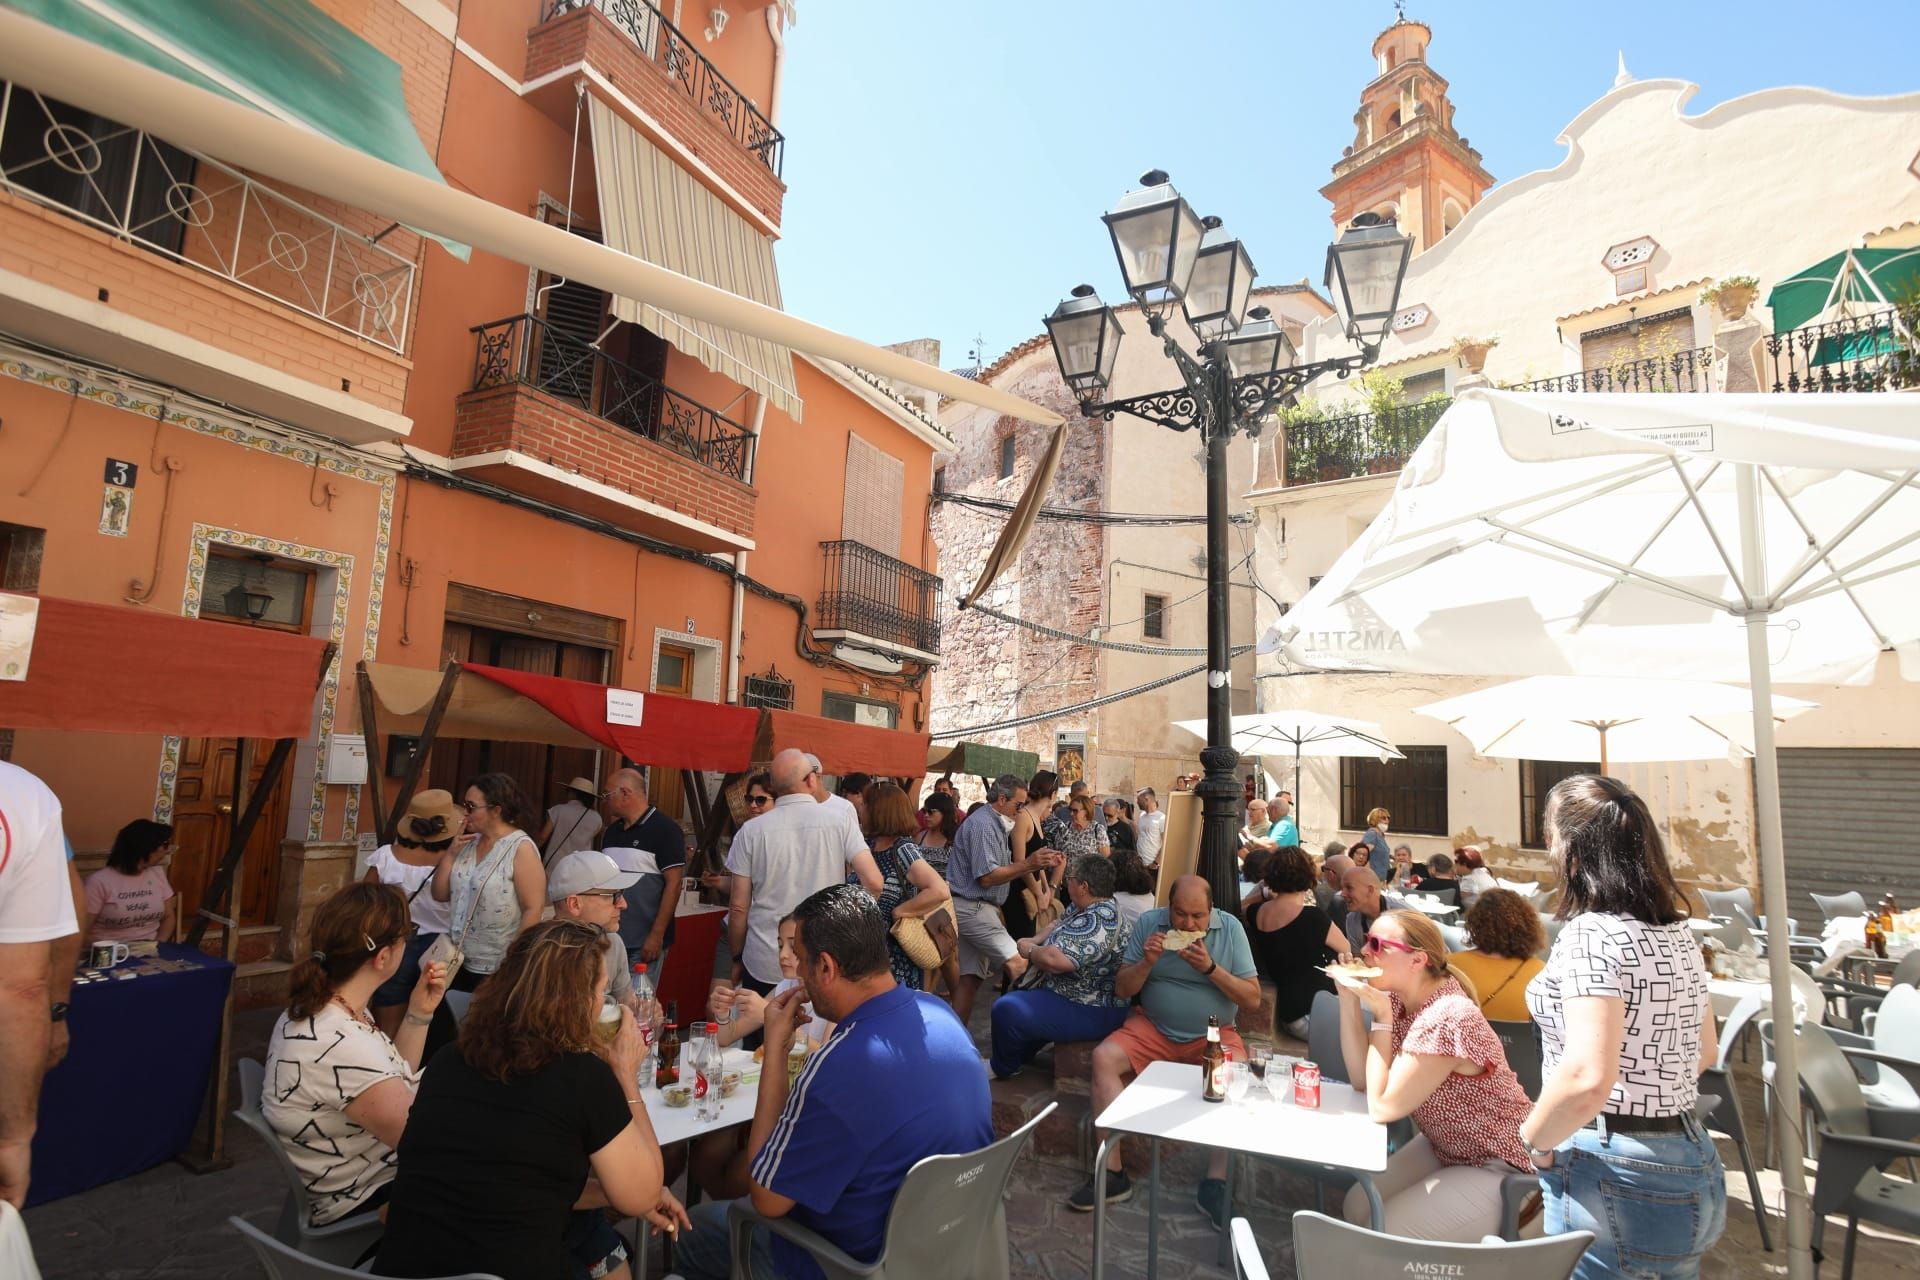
(1537,1154)
(59,1011)
(1210,968)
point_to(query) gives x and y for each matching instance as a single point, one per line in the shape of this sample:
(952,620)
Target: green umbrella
(1853,282)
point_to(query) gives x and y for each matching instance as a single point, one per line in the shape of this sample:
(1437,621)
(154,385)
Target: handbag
(928,940)
(444,949)
(1043,918)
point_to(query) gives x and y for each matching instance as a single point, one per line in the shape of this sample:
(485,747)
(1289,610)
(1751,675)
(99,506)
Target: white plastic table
(1163,1102)
(678,1124)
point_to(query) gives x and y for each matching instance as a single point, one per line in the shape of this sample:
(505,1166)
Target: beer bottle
(1886,914)
(1876,937)
(668,1072)
(1213,1088)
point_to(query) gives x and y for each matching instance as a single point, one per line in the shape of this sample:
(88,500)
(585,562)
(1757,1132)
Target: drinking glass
(1239,1079)
(1258,1056)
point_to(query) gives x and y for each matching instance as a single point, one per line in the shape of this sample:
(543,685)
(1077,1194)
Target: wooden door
(672,673)
(203,817)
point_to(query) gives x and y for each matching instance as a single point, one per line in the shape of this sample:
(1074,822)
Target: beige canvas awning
(478,709)
(1013,535)
(653,209)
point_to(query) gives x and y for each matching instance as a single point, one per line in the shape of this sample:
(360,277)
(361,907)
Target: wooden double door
(542,771)
(203,816)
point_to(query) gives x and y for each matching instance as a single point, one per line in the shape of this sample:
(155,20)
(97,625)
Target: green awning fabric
(979,760)
(283,57)
(1855,282)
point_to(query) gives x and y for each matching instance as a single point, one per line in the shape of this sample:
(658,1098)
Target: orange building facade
(421,457)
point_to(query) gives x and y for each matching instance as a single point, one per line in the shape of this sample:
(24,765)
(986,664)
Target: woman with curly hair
(1507,938)
(527,1127)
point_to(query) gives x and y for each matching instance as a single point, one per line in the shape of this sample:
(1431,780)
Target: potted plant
(1472,352)
(1733,295)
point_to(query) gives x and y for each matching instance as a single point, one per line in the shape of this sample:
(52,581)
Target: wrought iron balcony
(689,69)
(1689,370)
(527,350)
(1874,352)
(1356,444)
(868,593)
(198,211)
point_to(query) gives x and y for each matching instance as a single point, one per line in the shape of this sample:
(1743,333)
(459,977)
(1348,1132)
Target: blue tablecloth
(130,1091)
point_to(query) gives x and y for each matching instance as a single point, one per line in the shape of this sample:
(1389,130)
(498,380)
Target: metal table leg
(1374,1207)
(1153,1211)
(1100,1203)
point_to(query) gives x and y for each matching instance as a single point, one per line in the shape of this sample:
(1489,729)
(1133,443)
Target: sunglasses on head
(1375,944)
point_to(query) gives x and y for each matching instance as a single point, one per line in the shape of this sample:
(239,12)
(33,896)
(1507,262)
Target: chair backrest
(1455,936)
(1907,972)
(1521,1040)
(1809,999)
(1833,906)
(1325,1249)
(1897,1028)
(1744,1012)
(947,1200)
(1247,1262)
(252,1085)
(1826,1078)
(283,1262)
(1323,1036)
(1448,897)
(1731,904)
(1525,888)
(1734,936)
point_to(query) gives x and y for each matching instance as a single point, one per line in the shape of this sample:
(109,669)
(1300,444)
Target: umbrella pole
(1296,784)
(1603,752)
(1773,887)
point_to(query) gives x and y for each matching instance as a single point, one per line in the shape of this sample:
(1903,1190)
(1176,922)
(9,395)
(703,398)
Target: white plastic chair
(1247,1262)
(1327,1249)
(16,1252)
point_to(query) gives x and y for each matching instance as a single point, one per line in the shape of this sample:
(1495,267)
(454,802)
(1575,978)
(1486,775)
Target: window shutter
(875,492)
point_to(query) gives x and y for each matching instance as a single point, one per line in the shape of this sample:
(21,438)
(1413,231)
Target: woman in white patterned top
(337,1090)
(1625,1030)
(494,881)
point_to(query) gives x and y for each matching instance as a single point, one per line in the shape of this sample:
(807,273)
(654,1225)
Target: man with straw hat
(573,825)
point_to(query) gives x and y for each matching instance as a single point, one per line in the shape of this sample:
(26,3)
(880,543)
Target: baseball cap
(584,872)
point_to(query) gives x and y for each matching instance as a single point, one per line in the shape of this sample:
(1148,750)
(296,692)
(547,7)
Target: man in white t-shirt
(1151,826)
(36,909)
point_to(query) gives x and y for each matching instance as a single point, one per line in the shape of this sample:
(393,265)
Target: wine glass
(1238,1080)
(1258,1056)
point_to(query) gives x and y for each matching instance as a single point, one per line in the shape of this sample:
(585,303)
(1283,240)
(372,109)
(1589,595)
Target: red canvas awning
(845,748)
(675,733)
(116,669)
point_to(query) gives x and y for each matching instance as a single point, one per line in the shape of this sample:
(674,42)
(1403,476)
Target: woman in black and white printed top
(1625,1029)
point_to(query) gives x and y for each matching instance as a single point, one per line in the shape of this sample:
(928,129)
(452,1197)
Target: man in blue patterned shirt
(1077,960)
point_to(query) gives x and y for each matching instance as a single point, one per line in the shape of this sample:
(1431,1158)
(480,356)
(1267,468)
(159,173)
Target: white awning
(653,209)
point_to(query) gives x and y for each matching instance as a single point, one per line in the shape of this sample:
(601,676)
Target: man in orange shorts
(1212,977)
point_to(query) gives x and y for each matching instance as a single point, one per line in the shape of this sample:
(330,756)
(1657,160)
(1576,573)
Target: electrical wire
(1090,705)
(1117,646)
(1071,515)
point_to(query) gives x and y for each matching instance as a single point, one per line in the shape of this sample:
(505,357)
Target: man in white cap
(572,825)
(587,886)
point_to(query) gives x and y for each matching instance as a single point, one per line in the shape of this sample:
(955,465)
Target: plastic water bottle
(646,1016)
(705,1060)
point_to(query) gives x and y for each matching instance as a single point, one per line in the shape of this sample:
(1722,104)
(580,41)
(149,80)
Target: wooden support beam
(376,759)
(428,732)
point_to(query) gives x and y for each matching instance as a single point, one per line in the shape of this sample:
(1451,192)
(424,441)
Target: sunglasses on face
(608,894)
(757,801)
(1376,944)
(471,805)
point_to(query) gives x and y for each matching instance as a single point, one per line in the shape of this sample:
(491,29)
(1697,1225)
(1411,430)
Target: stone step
(262,984)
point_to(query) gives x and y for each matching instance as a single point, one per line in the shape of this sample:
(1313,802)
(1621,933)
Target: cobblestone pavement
(169,1224)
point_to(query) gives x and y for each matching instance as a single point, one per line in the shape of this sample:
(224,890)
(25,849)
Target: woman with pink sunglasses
(1431,1054)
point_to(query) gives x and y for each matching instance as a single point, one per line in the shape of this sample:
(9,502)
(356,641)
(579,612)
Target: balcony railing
(527,350)
(688,68)
(1689,370)
(1873,352)
(202,213)
(1357,444)
(877,596)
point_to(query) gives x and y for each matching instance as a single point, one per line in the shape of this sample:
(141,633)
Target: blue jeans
(706,1253)
(1655,1202)
(1024,1022)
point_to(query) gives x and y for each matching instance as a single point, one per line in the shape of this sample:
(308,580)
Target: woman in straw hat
(573,825)
(431,823)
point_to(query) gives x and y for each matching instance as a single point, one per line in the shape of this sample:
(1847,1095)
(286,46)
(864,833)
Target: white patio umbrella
(1608,718)
(1304,733)
(1714,537)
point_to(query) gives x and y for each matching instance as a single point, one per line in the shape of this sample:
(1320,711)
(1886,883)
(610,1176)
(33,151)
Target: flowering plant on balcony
(1472,352)
(1733,294)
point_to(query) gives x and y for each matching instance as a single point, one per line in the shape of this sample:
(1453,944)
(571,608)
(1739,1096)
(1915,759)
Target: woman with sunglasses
(1430,1054)
(493,879)
(1624,1033)
(528,1128)
(337,1090)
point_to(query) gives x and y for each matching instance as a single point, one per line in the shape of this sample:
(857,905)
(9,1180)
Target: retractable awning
(193,678)
(980,760)
(653,209)
(843,747)
(282,57)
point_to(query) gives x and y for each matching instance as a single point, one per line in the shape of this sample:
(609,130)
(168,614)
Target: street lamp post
(1243,367)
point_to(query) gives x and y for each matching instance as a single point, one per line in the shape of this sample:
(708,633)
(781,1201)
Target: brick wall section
(587,35)
(52,247)
(992,670)
(539,425)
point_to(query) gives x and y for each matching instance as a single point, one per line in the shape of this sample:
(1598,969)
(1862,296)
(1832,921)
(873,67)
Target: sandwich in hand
(1181,939)
(1352,971)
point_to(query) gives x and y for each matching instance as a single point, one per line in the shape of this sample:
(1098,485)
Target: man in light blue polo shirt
(1212,977)
(898,1080)
(980,867)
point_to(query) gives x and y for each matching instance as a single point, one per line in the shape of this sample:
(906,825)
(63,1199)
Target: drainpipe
(775,29)
(740,566)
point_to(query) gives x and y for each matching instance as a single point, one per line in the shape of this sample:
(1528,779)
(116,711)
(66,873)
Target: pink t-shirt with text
(128,908)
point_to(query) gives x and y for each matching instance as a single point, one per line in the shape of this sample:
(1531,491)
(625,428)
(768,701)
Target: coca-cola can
(1306,1084)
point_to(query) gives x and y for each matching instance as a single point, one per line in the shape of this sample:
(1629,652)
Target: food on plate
(1181,939)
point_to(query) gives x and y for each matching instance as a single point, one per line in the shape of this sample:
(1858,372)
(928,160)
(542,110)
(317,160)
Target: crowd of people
(507,1138)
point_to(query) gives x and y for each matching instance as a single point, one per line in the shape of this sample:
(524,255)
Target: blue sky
(947,162)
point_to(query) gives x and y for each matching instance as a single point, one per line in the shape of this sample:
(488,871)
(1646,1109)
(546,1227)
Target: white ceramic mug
(105,955)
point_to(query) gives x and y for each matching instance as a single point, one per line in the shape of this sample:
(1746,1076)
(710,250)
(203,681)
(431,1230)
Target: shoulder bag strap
(1488,999)
(509,846)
